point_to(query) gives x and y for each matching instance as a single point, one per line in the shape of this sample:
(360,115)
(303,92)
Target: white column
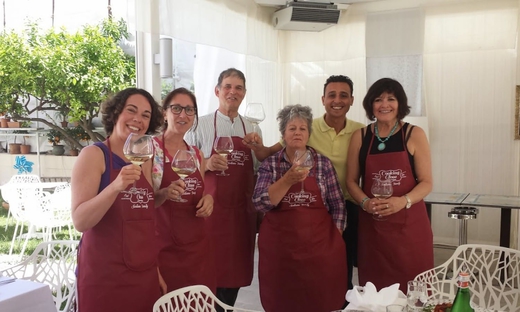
(147,45)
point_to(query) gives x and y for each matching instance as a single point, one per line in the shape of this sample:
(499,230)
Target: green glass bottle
(462,299)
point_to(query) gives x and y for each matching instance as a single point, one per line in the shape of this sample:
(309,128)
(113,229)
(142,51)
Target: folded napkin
(367,298)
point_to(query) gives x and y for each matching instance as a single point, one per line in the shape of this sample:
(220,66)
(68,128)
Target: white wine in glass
(255,114)
(184,164)
(304,161)
(138,148)
(223,146)
(381,189)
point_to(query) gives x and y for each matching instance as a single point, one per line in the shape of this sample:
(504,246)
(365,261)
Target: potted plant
(24,148)
(14,148)
(62,115)
(3,120)
(78,134)
(54,136)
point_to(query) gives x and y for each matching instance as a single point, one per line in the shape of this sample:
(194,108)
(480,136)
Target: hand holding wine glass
(304,160)
(184,164)
(223,146)
(381,189)
(138,148)
(255,114)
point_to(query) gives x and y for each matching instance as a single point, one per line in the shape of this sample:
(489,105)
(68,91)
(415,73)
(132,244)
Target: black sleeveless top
(394,144)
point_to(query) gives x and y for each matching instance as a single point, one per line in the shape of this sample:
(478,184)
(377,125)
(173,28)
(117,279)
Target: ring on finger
(387,206)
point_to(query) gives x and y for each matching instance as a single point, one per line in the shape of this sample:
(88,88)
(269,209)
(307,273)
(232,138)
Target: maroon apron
(117,259)
(185,256)
(400,247)
(302,261)
(233,221)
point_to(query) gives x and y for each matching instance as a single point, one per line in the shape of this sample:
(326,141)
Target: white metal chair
(494,271)
(7,193)
(192,298)
(52,263)
(49,212)
(25,200)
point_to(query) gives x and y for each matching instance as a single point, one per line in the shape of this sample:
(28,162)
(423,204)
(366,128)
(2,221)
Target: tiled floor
(248,297)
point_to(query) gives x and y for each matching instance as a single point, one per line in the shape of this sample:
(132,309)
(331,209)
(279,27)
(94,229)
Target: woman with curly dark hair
(117,259)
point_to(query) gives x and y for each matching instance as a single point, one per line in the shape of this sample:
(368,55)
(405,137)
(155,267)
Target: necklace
(382,145)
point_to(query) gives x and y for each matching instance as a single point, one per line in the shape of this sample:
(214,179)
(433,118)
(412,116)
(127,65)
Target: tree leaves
(69,73)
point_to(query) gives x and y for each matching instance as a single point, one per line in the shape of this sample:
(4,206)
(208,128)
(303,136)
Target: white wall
(51,165)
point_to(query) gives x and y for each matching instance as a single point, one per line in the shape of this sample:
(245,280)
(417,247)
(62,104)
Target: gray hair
(290,112)
(231,72)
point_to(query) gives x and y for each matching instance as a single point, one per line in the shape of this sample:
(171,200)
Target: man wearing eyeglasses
(233,222)
(331,137)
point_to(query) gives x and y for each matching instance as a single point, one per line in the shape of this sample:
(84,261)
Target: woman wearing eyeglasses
(185,252)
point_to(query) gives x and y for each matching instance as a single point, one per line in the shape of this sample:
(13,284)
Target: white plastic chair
(494,272)
(52,263)
(192,298)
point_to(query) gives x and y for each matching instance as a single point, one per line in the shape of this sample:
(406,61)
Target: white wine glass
(138,148)
(184,164)
(223,146)
(304,161)
(381,189)
(255,114)
(416,296)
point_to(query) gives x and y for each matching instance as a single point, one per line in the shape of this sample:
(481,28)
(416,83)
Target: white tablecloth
(26,296)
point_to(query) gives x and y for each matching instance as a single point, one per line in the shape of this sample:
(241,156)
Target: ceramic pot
(13,124)
(58,150)
(25,149)
(14,148)
(3,122)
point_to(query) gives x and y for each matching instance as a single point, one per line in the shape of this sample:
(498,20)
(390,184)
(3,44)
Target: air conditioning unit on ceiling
(306,16)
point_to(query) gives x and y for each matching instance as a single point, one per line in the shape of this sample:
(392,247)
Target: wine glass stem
(302,187)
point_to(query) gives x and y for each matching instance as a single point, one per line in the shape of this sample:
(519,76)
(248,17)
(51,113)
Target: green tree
(71,74)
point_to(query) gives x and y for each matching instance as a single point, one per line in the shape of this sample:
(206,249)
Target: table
(504,203)
(26,296)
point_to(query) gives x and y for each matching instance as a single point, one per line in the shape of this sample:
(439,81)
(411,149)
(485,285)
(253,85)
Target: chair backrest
(59,205)
(192,298)
(52,263)
(8,192)
(494,271)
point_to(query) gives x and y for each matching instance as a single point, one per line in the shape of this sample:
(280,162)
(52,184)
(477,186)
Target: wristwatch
(408,201)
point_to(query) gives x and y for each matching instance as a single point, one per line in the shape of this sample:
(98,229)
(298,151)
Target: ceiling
(283,2)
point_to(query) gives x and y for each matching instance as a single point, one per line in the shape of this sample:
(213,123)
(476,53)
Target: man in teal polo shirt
(330,137)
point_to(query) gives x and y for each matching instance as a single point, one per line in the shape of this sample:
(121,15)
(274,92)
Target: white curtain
(468,52)
(394,50)
(229,34)
(308,59)
(470,73)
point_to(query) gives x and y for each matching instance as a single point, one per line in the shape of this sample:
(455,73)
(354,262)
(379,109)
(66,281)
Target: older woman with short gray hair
(301,250)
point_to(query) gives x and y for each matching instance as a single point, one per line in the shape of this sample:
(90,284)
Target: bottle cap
(463,279)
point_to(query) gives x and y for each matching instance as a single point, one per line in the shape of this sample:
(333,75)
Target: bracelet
(362,204)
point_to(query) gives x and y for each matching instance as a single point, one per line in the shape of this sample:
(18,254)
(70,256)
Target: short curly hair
(387,85)
(290,112)
(112,108)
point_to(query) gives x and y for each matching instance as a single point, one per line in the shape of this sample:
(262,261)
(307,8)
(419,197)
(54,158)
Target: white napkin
(369,299)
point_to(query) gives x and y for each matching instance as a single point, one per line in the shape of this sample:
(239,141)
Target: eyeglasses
(177,110)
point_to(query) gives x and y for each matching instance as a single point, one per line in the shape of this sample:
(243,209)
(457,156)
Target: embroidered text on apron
(302,260)
(400,247)
(233,221)
(117,260)
(185,256)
